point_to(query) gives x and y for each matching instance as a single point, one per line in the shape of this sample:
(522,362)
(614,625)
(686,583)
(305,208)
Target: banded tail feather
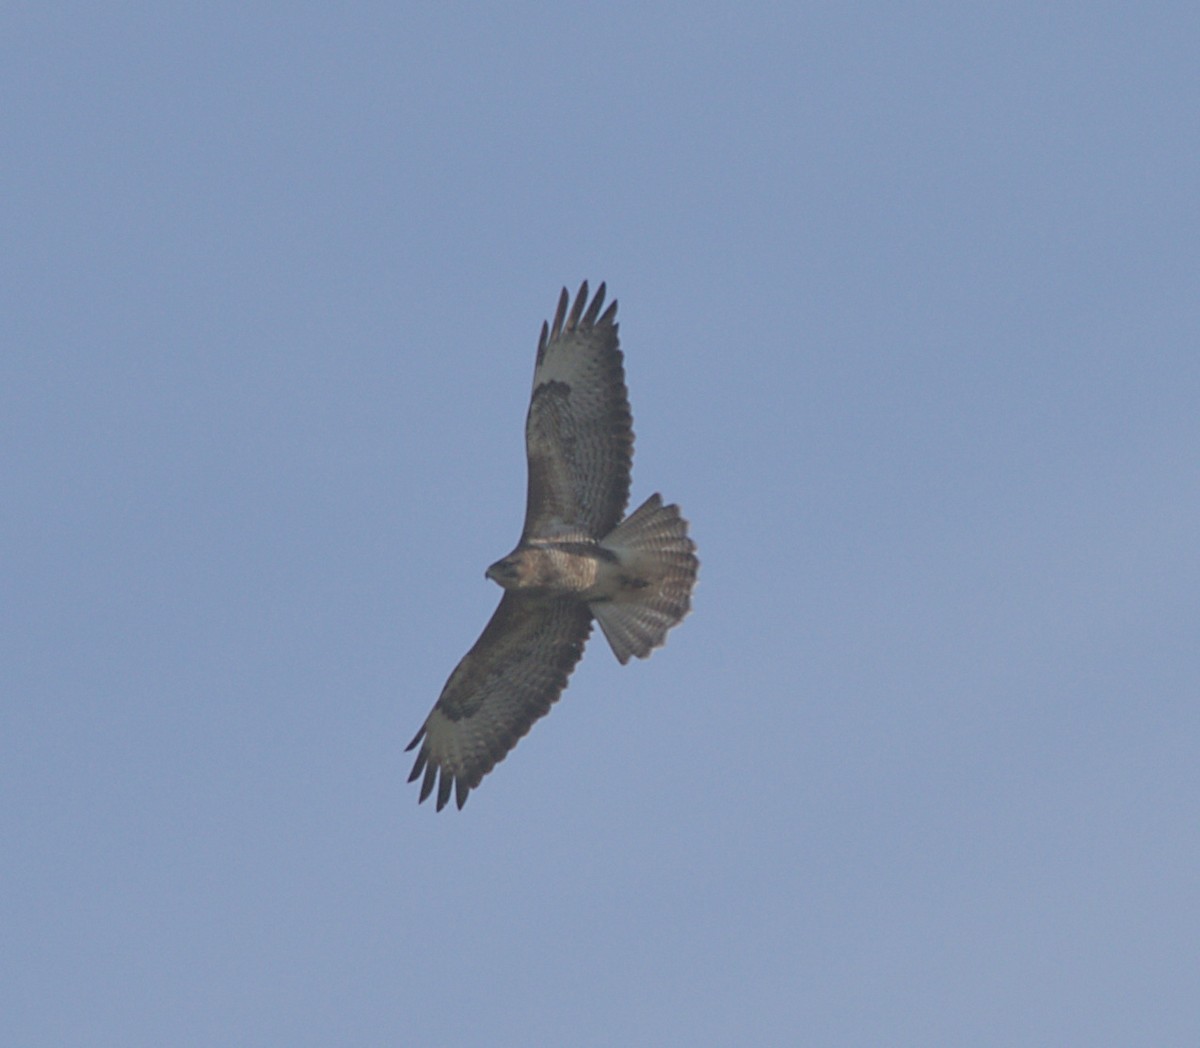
(657,570)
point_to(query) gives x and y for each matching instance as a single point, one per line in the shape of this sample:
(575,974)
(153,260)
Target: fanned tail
(657,570)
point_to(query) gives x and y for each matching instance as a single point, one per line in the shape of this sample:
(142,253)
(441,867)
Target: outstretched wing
(579,432)
(516,670)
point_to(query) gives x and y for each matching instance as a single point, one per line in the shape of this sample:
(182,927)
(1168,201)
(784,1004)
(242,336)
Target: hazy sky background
(910,300)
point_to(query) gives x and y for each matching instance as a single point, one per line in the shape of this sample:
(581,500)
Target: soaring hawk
(577,559)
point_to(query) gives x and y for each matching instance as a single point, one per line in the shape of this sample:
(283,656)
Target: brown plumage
(576,559)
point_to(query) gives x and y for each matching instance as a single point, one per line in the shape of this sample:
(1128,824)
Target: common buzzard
(577,559)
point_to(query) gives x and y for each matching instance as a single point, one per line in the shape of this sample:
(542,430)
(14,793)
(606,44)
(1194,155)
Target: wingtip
(589,318)
(560,314)
(445,781)
(578,314)
(427,783)
(578,307)
(418,767)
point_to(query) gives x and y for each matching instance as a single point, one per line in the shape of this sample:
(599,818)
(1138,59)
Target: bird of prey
(577,559)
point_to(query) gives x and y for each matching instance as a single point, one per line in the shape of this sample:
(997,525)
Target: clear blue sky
(910,300)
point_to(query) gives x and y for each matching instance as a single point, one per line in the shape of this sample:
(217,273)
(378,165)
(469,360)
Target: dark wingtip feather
(589,317)
(444,784)
(418,765)
(577,309)
(560,314)
(461,792)
(427,784)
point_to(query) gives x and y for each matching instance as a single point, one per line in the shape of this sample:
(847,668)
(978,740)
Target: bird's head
(506,572)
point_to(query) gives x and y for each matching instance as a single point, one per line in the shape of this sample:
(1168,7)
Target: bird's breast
(562,567)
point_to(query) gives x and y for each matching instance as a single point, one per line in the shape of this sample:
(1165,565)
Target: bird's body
(553,565)
(576,559)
